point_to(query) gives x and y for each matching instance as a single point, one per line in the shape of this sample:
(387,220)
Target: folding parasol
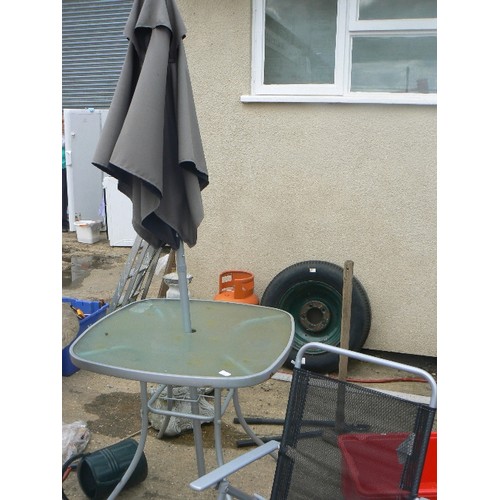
(151,139)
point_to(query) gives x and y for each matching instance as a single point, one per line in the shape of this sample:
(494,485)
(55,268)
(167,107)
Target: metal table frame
(232,345)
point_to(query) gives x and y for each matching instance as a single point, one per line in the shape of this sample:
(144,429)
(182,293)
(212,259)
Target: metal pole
(345,325)
(183,287)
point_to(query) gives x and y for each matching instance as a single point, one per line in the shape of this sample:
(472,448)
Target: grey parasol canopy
(151,140)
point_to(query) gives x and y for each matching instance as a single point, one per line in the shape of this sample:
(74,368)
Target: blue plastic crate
(94,312)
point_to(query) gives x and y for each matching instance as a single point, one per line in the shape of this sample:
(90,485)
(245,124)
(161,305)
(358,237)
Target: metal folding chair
(342,440)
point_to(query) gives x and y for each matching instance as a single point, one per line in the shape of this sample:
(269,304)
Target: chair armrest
(217,475)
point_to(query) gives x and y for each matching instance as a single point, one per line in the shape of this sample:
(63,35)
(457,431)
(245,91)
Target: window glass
(397,9)
(300,42)
(344,51)
(394,64)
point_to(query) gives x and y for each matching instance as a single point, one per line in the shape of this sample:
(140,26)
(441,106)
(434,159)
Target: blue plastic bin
(94,312)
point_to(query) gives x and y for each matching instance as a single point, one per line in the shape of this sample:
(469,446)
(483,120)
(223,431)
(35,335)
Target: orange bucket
(237,286)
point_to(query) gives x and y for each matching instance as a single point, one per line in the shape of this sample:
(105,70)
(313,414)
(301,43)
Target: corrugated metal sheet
(93,51)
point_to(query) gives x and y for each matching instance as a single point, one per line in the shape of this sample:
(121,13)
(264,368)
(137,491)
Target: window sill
(413,99)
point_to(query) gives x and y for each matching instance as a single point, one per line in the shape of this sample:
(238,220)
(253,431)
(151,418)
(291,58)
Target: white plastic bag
(75,438)
(161,264)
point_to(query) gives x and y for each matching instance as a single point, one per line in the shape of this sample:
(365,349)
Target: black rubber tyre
(311,292)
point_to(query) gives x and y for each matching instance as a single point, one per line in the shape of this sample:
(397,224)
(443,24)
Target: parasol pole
(180,260)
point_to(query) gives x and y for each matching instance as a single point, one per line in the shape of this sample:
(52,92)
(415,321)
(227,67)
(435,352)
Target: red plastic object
(371,469)
(428,483)
(237,286)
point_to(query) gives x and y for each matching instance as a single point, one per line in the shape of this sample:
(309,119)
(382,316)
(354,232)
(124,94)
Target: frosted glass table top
(232,344)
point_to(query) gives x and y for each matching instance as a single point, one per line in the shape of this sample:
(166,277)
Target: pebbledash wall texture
(291,182)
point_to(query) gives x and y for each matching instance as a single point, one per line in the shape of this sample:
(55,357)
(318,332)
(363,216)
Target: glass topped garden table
(231,345)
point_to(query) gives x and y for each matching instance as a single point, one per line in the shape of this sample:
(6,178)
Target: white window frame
(348,26)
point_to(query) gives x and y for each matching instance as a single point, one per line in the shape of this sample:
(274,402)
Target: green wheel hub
(317,309)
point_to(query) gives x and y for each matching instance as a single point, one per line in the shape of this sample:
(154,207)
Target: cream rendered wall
(295,182)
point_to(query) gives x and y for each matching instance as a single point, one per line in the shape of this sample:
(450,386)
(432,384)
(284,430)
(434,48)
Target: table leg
(243,423)
(218,411)
(198,437)
(217,427)
(140,447)
(166,420)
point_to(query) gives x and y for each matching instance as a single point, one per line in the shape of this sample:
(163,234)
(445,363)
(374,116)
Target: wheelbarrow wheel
(311,292)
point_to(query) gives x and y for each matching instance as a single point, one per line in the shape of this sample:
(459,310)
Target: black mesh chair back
(344,441)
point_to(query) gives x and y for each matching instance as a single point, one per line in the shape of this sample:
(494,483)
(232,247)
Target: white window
(372,51)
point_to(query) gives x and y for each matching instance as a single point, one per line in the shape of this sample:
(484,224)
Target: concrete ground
(109,406)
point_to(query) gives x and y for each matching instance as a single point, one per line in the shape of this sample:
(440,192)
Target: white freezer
(92,194)
(82,129)
(121,233)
